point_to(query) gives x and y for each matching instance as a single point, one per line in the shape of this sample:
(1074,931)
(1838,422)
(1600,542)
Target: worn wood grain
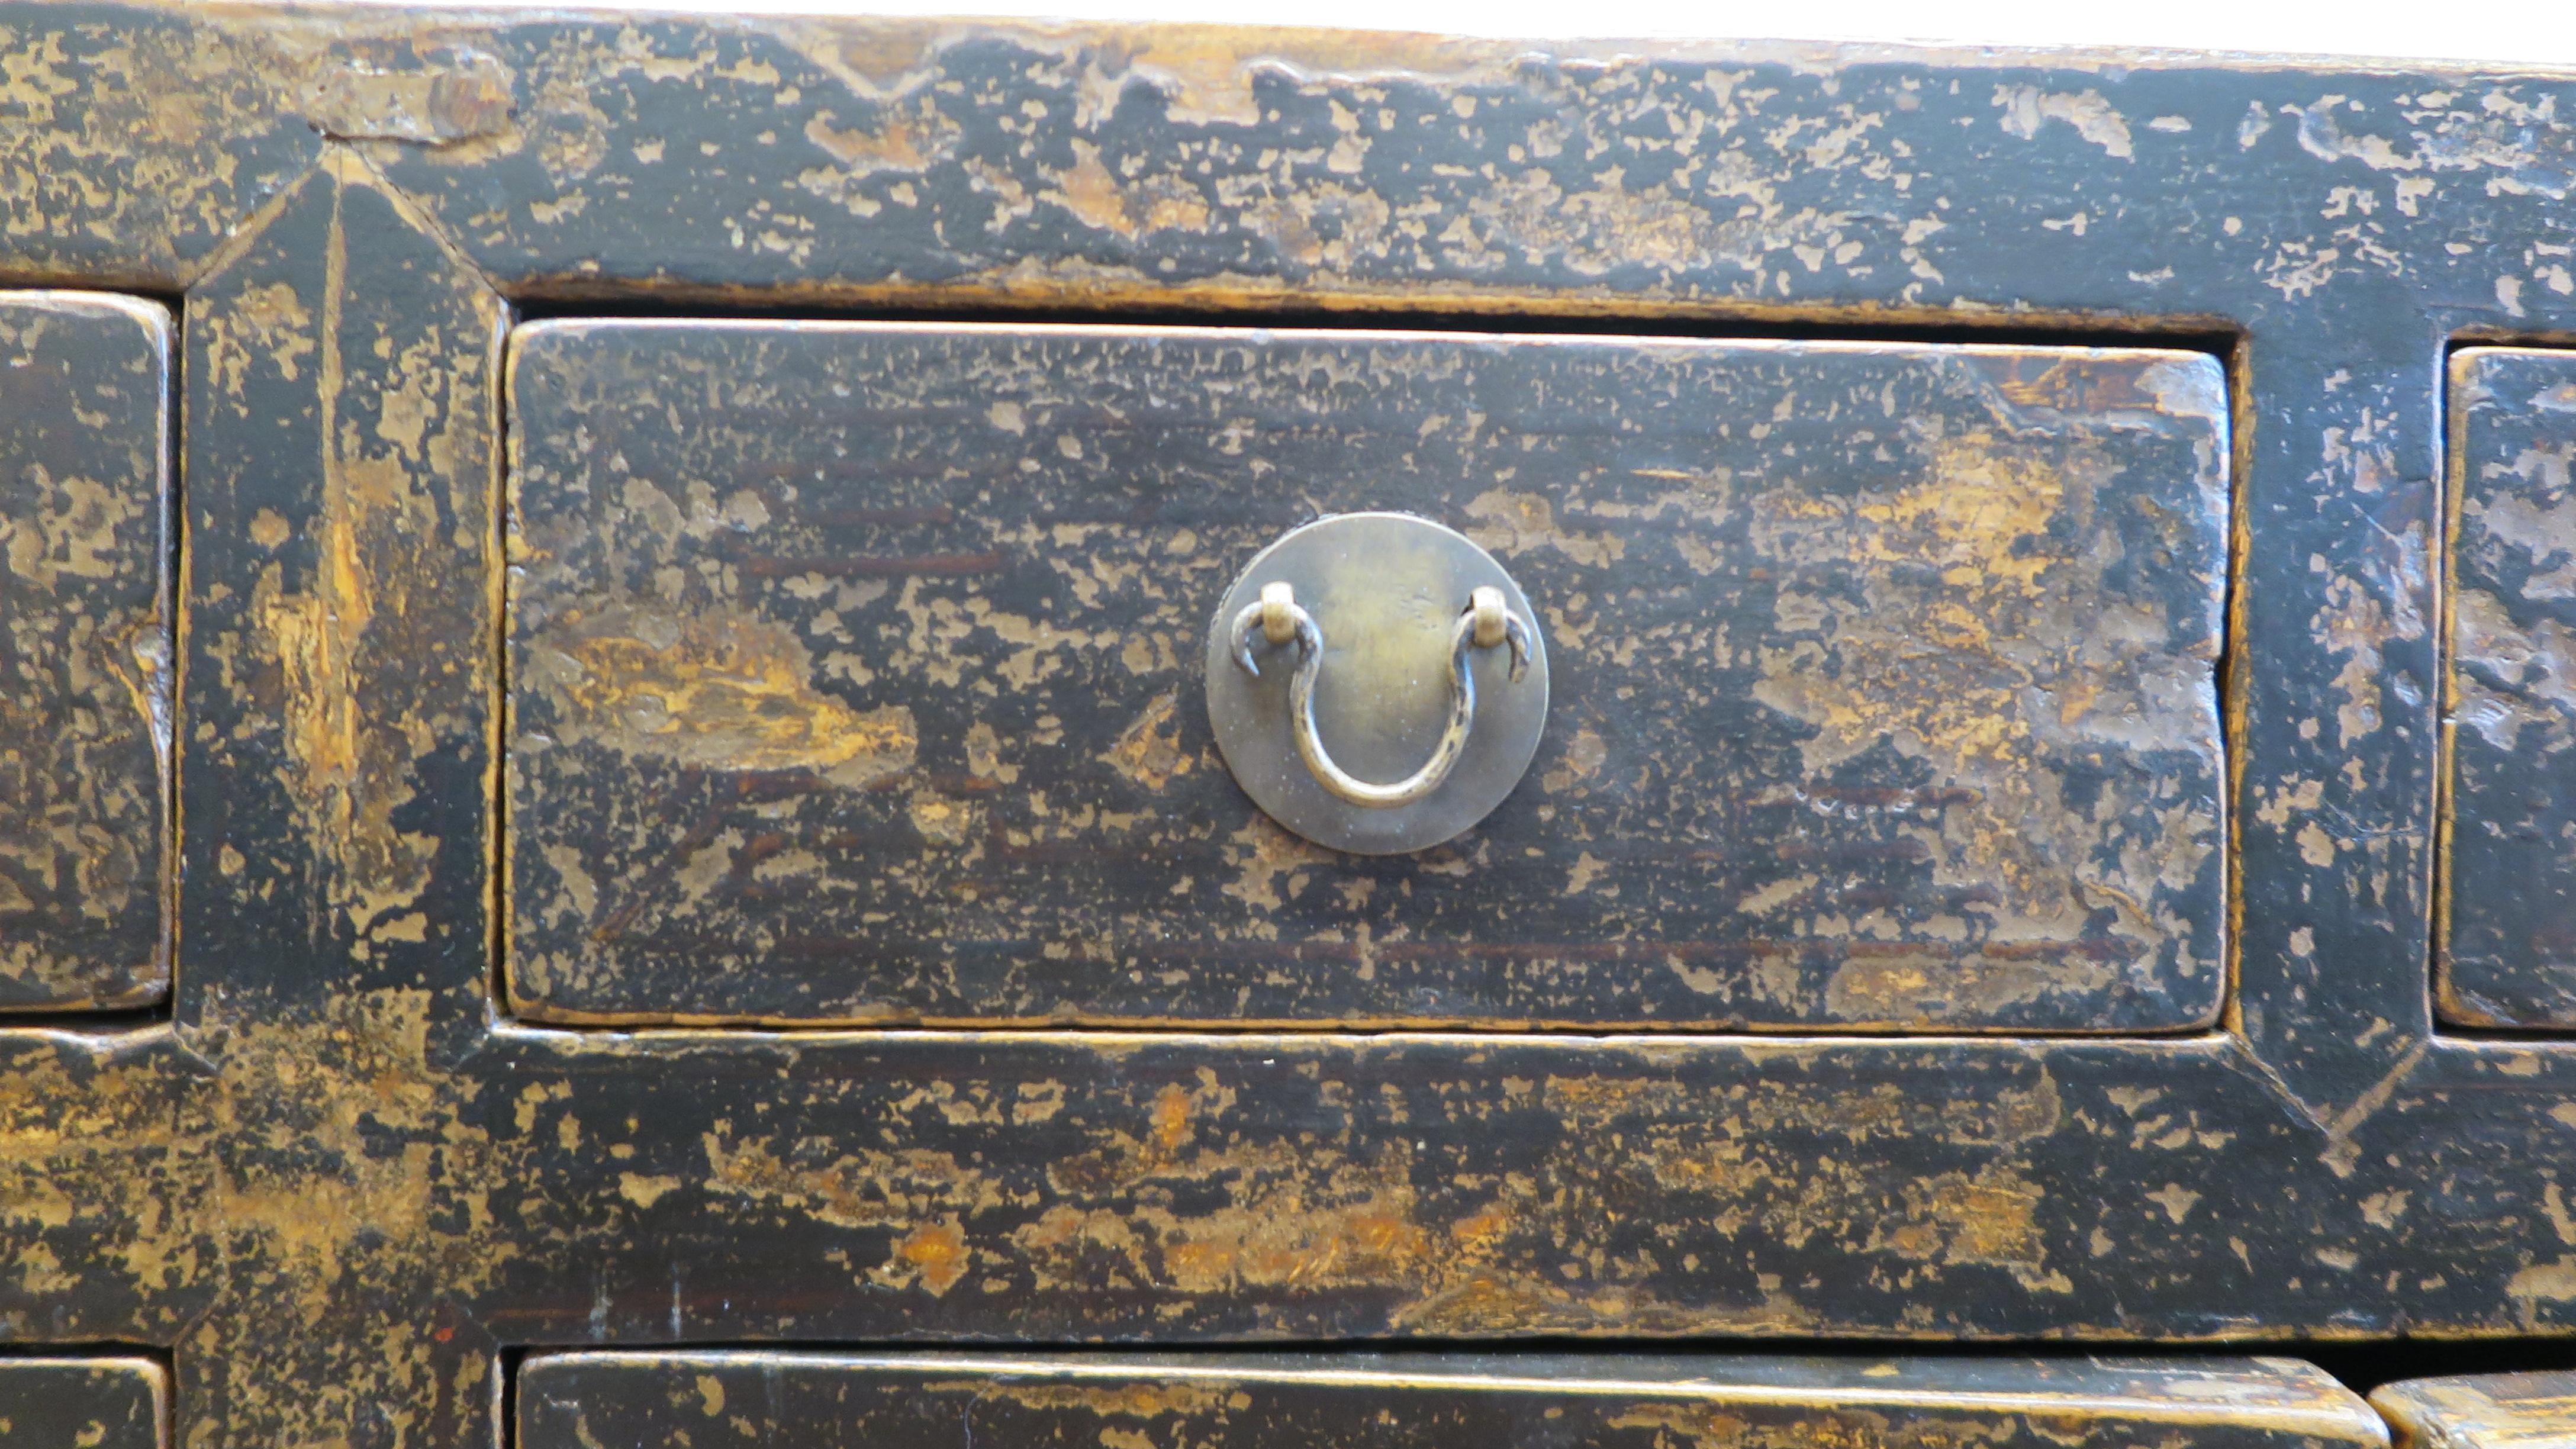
(1398,1401)
(2481,1411)
(856,677)
(85,651)
(83,1403)
(2509,948)
(340,1187)
(1084,1187)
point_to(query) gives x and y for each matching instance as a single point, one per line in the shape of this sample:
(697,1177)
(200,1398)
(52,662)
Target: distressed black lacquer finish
(2509,955)
(871,690)
(84,651)
(2480,1411)
(1395,1401)
(83,1403)
(343,1179)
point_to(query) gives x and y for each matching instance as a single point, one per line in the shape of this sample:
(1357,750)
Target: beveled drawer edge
(2481,1411)
(2333,1413)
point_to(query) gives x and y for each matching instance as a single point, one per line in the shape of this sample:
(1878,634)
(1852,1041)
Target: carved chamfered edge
(341,457)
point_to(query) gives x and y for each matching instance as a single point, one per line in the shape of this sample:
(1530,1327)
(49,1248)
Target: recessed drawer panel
(1397,1401)
(856,675)
(84,650)
(2509,951)
(82,1403)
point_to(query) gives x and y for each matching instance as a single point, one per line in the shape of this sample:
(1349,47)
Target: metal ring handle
(1278,618)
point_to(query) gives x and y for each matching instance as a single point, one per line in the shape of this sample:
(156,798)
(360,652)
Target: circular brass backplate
(1386,590)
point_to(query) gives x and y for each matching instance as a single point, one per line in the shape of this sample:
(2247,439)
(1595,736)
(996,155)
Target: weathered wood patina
(340,1186)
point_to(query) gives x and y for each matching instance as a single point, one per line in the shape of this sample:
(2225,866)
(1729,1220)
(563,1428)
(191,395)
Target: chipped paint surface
(84,651)
(1908,655)
(337,633)
(338,1190)
(2509,956)
(708,692)
(1407,1400)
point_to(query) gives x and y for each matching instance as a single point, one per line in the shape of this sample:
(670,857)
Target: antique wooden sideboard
(670,771)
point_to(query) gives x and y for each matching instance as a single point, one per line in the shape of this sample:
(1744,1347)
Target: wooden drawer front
(2509,955)
(1370,1401)
(84,650)
(82,1403)
(856,674)
(2481,1411)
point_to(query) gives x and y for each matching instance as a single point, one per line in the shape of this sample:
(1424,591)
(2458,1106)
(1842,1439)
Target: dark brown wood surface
(85,554)
(2509,951)
(1419,1401)
(343,1190)
(856,676)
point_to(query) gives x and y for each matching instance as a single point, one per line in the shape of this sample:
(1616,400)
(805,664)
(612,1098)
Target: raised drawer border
(1396,323)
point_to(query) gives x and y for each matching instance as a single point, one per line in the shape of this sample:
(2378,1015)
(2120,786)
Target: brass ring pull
(1277,618)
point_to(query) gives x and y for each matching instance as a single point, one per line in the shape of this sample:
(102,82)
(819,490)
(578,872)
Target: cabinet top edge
(1319,50)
